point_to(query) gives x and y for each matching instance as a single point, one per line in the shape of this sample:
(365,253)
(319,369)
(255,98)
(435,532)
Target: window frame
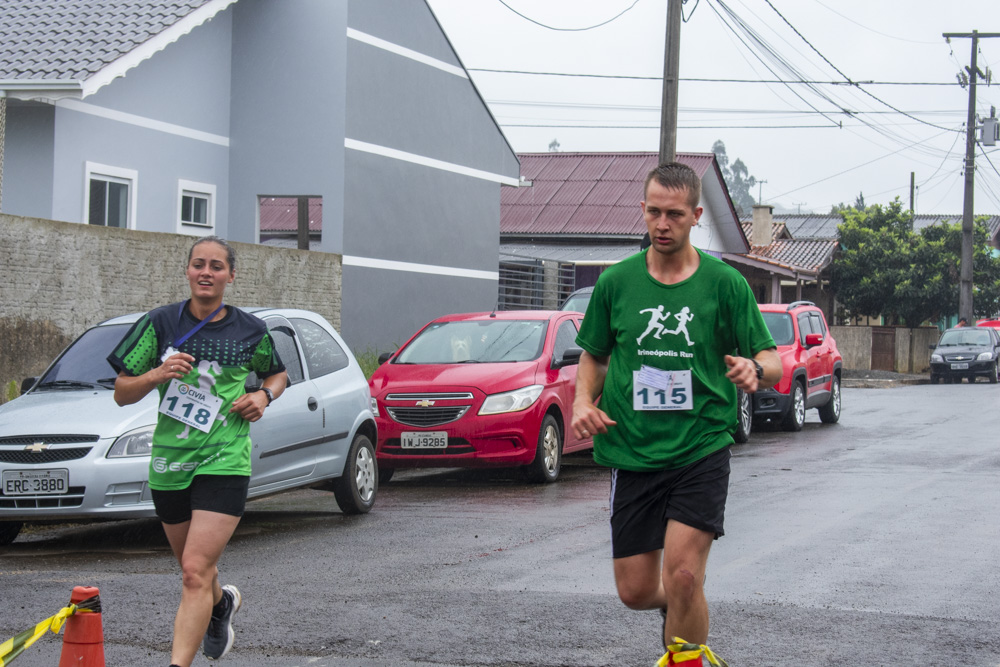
(103,172)
(195,189)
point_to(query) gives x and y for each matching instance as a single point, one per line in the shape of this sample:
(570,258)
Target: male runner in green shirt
(669,335)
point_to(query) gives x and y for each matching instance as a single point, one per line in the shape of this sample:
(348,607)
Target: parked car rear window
(323,354)
(476,342)
(780,326)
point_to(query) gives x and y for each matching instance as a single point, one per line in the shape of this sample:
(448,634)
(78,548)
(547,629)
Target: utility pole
(965,309)
(671,74)
(760,192)
(913,188)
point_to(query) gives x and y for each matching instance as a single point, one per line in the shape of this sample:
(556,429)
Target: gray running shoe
(219,637)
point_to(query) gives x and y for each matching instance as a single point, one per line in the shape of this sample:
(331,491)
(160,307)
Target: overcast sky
(787,135)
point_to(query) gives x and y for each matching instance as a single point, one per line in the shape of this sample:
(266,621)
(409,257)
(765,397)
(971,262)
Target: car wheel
(355,489)
(744,416)
(995,372)
(548,454)
(385,474)
(935,379)
(9,531)
(830,413)
(796,415)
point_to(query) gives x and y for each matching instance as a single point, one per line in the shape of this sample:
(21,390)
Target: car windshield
(578,302)
(968,337)
(479,341)
(780,326)
(84,364)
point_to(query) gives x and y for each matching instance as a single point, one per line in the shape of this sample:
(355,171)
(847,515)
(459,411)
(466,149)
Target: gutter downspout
(3,134)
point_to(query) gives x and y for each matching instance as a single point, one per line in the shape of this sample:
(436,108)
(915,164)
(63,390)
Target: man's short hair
(676,176)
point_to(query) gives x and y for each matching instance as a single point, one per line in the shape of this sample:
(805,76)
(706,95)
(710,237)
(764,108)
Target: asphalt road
(870,542)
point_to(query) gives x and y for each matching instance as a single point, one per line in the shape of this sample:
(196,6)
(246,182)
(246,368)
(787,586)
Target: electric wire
(659,78)
(549,27)
(848,18)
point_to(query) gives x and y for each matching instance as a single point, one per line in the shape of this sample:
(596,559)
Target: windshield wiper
(70,384)
(107,381)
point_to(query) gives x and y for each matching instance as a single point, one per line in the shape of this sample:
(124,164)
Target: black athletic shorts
(643,502)
(225,494)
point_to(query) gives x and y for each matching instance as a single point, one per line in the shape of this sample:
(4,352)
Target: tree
(886,268)
(859,204)
(738,180)
(554,146)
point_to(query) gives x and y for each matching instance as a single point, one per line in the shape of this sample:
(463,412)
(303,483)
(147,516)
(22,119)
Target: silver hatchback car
(68,452)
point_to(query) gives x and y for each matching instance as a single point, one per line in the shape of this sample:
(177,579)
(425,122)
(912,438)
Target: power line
(549,27)
(848,18)
(680,127)
(857,85)
(628,77)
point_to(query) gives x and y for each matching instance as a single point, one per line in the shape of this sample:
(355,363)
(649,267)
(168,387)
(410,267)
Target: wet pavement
(869,542)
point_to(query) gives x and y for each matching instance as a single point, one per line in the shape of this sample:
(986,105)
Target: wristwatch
(270,394)
(760,369)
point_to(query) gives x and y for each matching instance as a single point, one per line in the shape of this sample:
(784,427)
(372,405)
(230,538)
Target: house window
(110,196)
(196,207)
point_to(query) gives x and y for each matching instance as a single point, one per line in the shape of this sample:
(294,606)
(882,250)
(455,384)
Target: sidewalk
(856,379)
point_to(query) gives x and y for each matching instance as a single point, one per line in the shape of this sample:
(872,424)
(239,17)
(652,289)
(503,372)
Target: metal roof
(569,253)
(584,193)
(813,226)
(281,214)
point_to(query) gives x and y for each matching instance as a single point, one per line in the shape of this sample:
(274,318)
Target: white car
(69,452)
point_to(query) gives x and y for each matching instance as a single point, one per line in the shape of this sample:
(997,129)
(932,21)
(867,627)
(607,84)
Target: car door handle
(312,403)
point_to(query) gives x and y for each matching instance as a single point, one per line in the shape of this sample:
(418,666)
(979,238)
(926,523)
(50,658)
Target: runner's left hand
(250,406)
(742,373)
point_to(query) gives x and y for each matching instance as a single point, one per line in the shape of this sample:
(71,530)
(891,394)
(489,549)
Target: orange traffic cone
(83,641)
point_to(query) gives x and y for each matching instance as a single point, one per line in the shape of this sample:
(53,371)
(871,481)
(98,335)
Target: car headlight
(936,359)
(511,401)
(374,404)
(134,443)
(985,356)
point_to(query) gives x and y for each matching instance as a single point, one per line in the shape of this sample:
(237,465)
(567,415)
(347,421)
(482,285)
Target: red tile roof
(583,193)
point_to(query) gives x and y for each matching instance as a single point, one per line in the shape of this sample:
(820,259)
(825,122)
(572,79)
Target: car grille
(27,457)
(61,439)
(960,357)
(423,417)
(72,498)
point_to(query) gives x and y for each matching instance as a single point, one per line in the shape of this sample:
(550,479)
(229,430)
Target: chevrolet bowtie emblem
(424,404)
(36,448)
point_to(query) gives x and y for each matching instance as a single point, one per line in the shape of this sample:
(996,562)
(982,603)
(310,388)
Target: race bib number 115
(669,390)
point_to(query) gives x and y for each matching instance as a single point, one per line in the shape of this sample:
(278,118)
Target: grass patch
(368,360)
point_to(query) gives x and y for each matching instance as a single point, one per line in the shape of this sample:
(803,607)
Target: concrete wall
(903,342)
(855,345)
(61,278)
(920,352)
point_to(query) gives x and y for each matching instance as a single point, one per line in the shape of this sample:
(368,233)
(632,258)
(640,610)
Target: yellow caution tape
(15,646)
(682,650)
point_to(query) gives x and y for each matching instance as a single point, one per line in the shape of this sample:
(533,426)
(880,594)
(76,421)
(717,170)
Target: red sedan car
(480,389)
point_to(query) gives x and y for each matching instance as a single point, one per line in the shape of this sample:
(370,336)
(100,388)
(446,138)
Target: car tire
(9,531)
(548,454)
(995,372)
(935,378)
(385,474)
(830,413)
(795,417)
(356,488)
(744,416)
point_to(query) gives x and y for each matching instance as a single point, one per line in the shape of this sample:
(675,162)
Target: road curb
(877,383)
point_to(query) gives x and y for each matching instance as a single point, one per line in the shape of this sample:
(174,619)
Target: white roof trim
(47,90)
(405,52)
(153,45)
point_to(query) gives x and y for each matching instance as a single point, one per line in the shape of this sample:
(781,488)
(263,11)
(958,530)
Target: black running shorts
(643,502)
(224,494)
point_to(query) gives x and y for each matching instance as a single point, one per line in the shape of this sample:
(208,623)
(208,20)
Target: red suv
(811,367)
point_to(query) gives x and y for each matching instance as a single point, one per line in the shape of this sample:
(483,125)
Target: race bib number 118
(670,391)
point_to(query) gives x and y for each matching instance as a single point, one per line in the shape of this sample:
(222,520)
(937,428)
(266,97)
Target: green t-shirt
(689,326)
(225,352)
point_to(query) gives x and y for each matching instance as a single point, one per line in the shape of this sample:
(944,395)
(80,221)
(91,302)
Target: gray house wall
(424,163)
(288,110)
(28,158)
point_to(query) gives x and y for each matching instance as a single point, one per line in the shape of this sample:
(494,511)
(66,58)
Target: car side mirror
(384,357)
(814,339)
(932,346)
(28,383)
(570,357)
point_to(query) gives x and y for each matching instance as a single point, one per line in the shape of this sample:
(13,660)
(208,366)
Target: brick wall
(57,279)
